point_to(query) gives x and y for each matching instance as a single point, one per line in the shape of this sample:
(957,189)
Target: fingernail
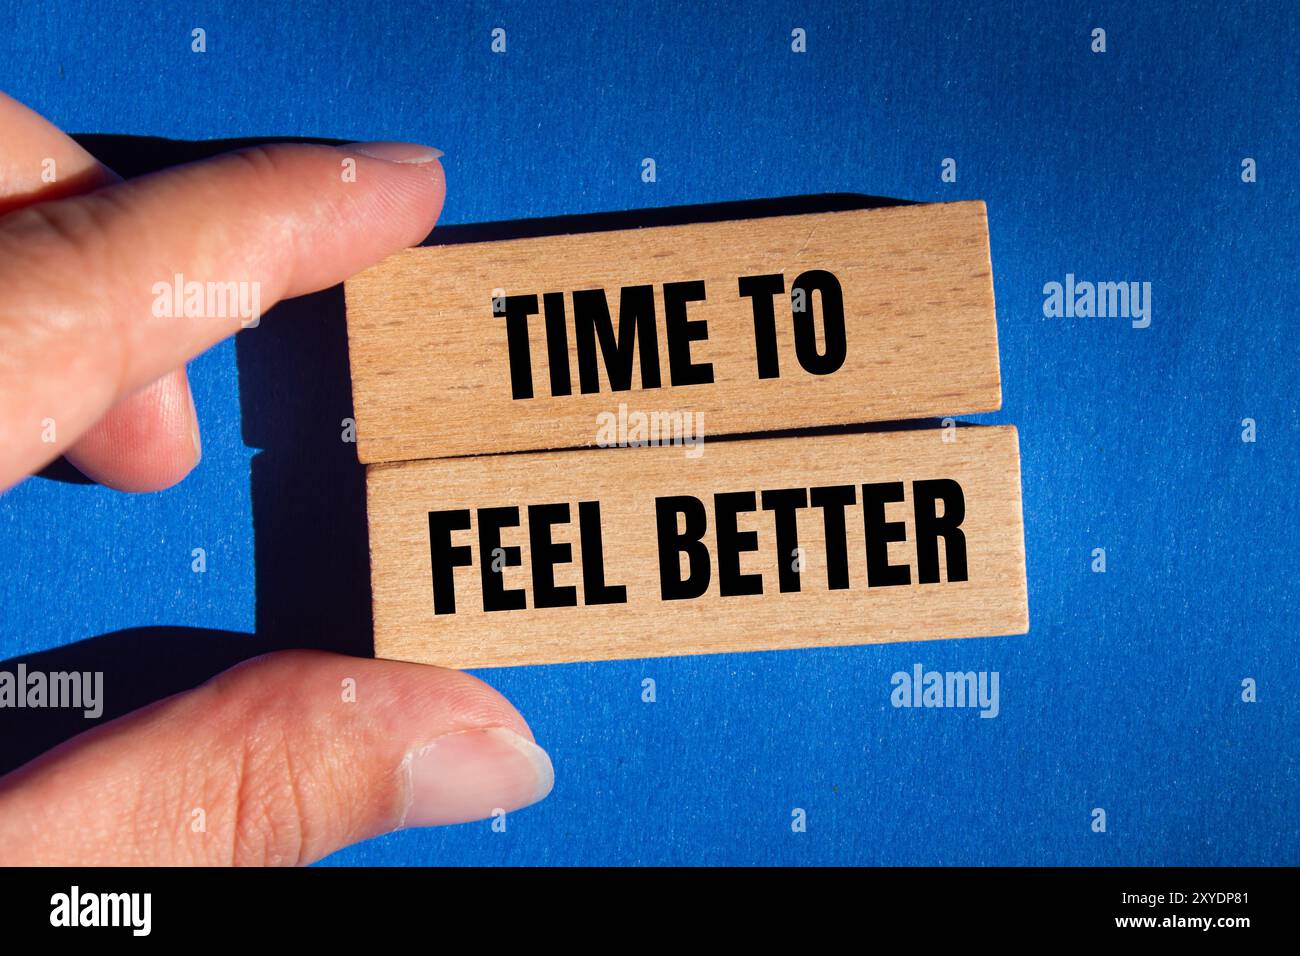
(408,154)
(474,774)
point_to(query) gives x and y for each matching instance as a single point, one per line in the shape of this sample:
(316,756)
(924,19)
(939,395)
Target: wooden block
(586,582)
(681,319)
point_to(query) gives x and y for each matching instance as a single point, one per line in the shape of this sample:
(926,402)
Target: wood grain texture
(627,481)
(430,368)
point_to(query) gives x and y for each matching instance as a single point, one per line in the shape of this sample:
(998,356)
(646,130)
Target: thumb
(280,760)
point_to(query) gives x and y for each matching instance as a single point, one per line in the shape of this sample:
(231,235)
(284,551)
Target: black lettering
(496,596)
(682,332)
(672,587)
(732,541)
(833,499)
(785,503)
(930,528)
(444,557)
(517,310)
(636,323)
(880,573)
(547,553)
(762,290)
(805,331)
(594,589)
(557,343)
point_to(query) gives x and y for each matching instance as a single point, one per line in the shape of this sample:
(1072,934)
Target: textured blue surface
(1126,165)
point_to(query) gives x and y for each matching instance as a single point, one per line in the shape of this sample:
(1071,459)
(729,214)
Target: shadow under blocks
(307,488)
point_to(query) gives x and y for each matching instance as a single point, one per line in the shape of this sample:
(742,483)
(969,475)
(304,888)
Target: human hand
(282,765)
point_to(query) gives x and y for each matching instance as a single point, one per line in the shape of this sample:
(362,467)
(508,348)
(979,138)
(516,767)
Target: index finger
(105,292)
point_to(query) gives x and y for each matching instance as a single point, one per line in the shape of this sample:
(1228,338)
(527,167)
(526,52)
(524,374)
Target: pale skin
(283,767)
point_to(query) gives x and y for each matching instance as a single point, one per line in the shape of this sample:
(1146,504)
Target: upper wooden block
(429,330)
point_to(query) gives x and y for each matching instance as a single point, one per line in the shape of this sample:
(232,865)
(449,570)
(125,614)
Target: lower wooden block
(730,546)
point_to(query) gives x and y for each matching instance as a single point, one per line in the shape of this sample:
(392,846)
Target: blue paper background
(1125,165)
